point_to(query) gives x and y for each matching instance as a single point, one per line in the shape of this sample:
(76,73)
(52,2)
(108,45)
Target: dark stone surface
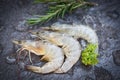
(22,26)
(102,74)
(1,48)
(10,60)
(104,19)
(88,78)
(116,57)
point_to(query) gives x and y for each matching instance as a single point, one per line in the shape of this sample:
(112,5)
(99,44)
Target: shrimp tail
(33,68)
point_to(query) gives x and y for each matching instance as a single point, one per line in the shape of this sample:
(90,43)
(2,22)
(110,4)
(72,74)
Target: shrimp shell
(53,54)
(77,31)
(71,47)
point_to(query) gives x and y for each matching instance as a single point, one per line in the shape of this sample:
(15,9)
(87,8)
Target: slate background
(104,18)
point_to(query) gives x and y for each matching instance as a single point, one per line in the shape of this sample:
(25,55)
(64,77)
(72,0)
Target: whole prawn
(51,53)
(71,47)
(77,31)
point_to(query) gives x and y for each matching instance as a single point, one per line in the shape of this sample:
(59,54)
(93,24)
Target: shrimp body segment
(53,54)
(77,31)
(70,46)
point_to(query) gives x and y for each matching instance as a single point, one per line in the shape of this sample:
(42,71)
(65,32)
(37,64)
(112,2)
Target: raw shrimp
(71,47)
(77,31)
(51,53)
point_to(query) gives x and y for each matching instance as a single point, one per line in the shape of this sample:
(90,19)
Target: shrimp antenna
(30,57)
(19,53)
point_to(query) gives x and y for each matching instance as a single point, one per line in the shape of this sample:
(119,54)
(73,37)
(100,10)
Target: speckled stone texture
(104,19)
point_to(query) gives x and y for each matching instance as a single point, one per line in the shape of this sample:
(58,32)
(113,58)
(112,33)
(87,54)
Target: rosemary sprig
(58,10)
(42,19)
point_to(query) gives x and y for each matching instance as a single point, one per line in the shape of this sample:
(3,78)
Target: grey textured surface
(104,18)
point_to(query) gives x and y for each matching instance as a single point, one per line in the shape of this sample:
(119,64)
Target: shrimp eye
(37,32)
(19,42)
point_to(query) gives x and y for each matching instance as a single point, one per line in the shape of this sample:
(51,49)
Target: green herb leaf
(89,56)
